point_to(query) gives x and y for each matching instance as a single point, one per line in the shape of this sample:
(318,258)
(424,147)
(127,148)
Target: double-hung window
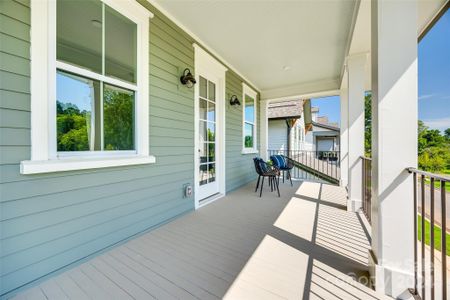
(249,120)
(89,85)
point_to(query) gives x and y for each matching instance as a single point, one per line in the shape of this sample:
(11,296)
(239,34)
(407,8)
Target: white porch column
(356,66)
(344,134)
(264,129)
(394,142)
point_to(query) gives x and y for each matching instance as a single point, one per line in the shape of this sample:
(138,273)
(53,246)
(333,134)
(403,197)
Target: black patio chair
(264,170)
(284,164)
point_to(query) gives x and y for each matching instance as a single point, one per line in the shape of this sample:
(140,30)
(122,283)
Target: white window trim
(246,90)
(44,157)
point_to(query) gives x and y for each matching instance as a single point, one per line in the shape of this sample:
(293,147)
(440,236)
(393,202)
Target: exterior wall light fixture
(187,78)
(234,100)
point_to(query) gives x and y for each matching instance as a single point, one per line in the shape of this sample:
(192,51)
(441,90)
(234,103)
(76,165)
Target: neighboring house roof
(325,121)
(286,109)
(314,109)
(326,126)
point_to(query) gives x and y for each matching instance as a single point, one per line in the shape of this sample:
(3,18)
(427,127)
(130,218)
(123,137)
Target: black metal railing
(322,164)
(366,187)
(426,214)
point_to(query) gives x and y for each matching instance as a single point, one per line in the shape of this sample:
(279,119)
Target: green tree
(421,140)
(71,124)
(447,133)
(433,149)
(118,120)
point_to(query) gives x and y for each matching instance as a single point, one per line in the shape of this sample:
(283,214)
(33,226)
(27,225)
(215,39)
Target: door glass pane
(211,152)
(79,33)
(211,132)
(211,91)
(249,109)
(202,109)
(211,111)
(77,104)
(203,134)
(203,87)
(203,174)
(248,135)
(118,118)
(203,153)
(120,46)
(211,172)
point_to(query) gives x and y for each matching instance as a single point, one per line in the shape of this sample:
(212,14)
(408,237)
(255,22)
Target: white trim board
(246,90)
(43,89)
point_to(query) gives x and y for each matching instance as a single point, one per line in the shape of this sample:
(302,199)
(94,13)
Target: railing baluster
(416,288)
(432,235)
(422,189)
(444,240)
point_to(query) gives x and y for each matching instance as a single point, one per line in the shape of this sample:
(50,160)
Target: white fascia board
(301,89)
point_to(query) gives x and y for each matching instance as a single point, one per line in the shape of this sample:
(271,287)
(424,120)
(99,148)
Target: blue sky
(328,106)
(434,80)
(434,75)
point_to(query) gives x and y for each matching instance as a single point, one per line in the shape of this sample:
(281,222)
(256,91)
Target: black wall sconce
(234,100)
(187,78)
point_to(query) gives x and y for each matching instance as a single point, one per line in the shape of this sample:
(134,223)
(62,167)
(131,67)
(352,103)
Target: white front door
(207,138)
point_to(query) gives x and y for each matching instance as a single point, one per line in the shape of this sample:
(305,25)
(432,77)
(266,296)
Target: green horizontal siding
(50,221)
(239,167)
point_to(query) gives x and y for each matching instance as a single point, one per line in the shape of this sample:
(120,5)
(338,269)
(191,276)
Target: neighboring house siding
(51,220)
(239,167)
(277,135)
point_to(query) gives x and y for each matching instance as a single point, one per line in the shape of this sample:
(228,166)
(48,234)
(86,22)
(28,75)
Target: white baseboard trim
(354,205)
(390,281)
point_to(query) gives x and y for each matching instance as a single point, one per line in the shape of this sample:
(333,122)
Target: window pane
(211,91)
(77,104)
(120,46)
(212,172)
(202,110)
(211,132)
(249,109)
(203,87)
(79,33)
(203,174)
(203,153)
(211,152)
(203,137)
(211,112)
(118,118)
(248,136)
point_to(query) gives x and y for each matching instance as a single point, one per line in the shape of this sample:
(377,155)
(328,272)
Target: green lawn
(437,184)
(437,235)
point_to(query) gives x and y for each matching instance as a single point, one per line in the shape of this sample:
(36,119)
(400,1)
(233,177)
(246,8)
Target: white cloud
(426,96)
(441,123)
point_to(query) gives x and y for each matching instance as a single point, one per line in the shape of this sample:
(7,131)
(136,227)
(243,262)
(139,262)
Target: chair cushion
(279,161)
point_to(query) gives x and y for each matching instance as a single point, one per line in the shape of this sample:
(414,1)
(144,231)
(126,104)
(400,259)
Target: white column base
(391,281)
(354,205)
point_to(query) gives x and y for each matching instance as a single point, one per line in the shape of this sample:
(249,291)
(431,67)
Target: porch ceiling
(285,48)
(274,44)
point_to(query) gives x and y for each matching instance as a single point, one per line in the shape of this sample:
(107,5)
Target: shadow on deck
(304,245)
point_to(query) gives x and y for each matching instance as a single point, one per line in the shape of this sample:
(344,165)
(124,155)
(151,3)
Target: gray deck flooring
(304,245)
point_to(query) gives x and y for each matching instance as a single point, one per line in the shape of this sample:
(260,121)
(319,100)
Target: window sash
(253,124)
(103,79)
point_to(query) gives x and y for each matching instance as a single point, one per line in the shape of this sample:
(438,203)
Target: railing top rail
(435,176)
(366,158)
